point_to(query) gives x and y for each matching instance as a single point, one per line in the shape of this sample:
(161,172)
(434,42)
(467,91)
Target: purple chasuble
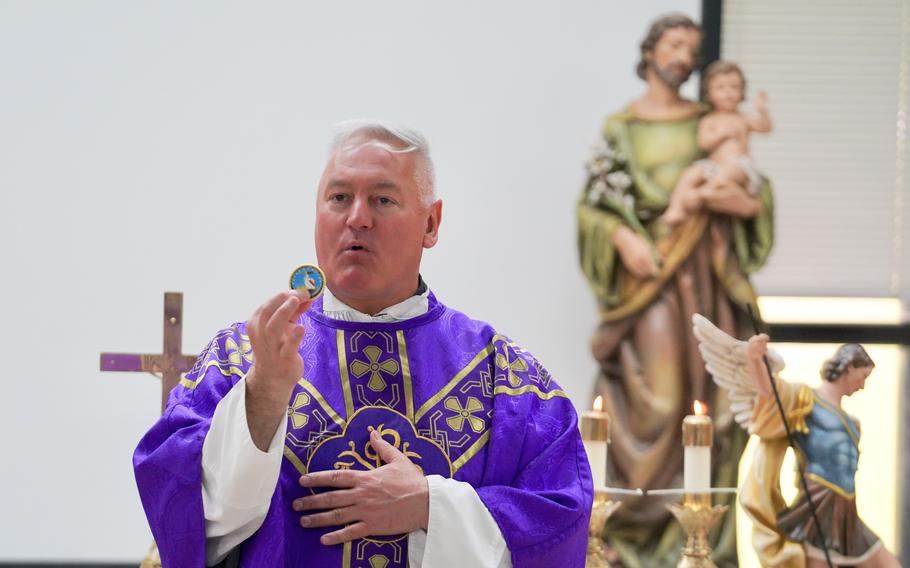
(457,398)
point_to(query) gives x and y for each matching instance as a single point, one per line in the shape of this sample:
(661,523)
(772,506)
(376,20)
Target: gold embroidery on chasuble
(352,448)
(518,372)
(375,371)
(378,561)
(310,421)
(369,458)
(230,352)
(298,418)
(458,417)
(375,366)
(511,368)
(365,554)
(464,413)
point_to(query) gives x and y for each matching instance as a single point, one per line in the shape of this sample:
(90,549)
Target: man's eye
(384,201)
(338,197)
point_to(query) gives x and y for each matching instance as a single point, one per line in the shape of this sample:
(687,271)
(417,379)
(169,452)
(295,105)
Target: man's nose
(359,215)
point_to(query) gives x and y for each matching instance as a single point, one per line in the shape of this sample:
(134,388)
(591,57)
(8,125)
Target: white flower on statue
(602,149)
(598,190)
(619,180)
(601,159)
(598,165)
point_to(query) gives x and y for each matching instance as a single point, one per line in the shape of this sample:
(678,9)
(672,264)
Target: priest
(376,426)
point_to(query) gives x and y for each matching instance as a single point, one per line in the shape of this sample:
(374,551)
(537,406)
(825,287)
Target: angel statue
(827,446)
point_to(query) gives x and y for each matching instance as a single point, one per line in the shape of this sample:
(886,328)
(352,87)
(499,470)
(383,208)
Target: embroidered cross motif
(519,365)
(374,367)
(237,353)
(299,419)
(462,413)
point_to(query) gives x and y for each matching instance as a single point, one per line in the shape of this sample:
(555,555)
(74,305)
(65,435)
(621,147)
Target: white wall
(161,146)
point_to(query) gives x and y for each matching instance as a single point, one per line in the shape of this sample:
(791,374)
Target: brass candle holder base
(697,516)
(600,512)
(151,560)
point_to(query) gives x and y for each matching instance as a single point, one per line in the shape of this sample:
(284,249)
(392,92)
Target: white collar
(412,307)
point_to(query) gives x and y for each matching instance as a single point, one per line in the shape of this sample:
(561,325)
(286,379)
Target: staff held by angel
(826,444)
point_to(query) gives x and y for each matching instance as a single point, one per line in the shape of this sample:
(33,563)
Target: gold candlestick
(600,513)
(595,433)
(697,516)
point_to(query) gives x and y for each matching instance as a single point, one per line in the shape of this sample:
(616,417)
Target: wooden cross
(171,364)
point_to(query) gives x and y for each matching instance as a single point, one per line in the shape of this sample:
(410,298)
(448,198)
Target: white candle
(698,434)
(595,431)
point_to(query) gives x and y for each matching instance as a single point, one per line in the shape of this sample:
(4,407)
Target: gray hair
(394,139)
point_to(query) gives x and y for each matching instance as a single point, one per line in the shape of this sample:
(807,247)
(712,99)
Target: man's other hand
(392,499)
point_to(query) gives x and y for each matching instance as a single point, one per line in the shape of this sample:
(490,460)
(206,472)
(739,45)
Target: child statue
(724,134)
(827,445)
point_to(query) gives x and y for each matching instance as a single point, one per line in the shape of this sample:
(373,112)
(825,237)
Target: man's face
(674,55)
(371,225)
(725,91)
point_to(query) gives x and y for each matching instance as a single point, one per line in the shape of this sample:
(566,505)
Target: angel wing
(725,359)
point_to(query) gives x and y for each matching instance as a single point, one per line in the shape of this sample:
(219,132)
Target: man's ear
(434,218)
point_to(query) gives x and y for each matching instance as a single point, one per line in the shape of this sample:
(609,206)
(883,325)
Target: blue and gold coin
(308,277)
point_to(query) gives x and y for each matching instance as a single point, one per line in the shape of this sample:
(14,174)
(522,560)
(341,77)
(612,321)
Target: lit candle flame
(599,403)
(700,408)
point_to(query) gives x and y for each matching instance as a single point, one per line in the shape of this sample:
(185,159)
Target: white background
(147,147)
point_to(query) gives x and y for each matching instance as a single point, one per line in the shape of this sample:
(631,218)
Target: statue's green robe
(650,369)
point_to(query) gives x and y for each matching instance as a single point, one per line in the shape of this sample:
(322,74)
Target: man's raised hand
(392,499)
(275,337)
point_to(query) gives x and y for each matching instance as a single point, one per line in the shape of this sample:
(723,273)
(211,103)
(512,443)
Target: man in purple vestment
(375,427)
